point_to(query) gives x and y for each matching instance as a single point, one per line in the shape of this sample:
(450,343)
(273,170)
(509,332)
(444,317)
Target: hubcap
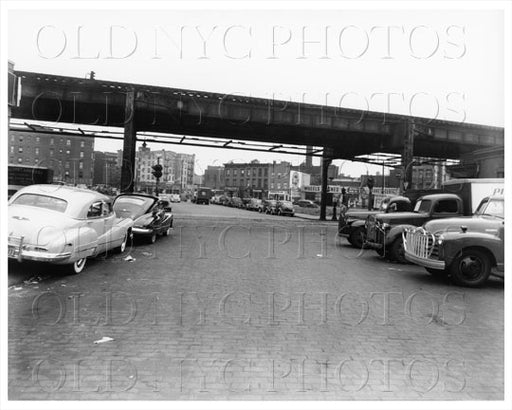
(471,267)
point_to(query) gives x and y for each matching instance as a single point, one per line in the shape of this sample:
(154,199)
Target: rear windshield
(132,206)
(42,201)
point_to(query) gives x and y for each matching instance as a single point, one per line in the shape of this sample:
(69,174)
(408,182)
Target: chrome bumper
(426,262)
(40,256)
(142,231)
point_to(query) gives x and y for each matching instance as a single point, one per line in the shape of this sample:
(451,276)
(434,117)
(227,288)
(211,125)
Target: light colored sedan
(64,225)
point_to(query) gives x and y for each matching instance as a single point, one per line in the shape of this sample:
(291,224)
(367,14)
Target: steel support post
(129,143)
(407,157)
(323,195)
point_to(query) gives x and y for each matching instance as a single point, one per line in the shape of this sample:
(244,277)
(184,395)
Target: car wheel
(471,268)
(152,238)
(168,231)
(79,265)
(437,273)
(397,251)
(357,238)
(381,251)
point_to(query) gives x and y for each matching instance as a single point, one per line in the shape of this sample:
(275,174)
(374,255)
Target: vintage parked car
(175,198)
(306,203)
(384,230)
(64,225)
(235,202)
(285,208)
(351,224)
(148,213)
(271,207)
(469,249)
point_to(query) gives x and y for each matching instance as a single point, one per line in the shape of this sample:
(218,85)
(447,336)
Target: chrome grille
(421,243)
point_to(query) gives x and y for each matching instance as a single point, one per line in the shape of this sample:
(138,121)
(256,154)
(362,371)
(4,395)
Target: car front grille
(421,243)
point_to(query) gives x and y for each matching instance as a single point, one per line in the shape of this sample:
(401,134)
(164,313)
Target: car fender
(84,242)
(395,232)
(454,243)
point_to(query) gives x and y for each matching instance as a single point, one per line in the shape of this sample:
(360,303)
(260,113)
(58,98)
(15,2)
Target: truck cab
(384,230)
(469,249)
(351,225)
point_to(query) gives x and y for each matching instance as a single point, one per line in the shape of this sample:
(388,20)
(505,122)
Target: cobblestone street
(248,306)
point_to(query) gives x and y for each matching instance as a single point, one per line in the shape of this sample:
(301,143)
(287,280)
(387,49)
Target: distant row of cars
(66,225)
(266,206)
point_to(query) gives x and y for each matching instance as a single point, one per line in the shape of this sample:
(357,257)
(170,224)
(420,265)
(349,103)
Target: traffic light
(157,171)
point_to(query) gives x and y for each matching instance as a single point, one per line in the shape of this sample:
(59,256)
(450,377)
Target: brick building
(214,177)
(71,158)
(107,169)
(257,179)
(178,169)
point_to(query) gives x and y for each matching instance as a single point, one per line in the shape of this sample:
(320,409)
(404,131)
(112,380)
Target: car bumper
(142,231)
(374,245)
(38,256)
(426,262)
(344,231)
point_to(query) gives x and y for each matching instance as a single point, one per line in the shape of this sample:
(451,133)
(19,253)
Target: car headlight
(440,239)
(385,226)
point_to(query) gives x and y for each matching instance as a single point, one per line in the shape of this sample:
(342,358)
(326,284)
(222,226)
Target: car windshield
(493,207)
(132,206)
(42,201)
(286,203)
(422,206)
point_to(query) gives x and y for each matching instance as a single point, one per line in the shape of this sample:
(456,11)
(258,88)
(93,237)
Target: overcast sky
(444,64)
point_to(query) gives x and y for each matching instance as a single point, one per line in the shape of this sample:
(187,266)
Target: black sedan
(151,216)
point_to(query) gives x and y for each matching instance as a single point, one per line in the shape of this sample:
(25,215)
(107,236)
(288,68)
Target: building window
(82,144)
(20,160)
(12,138)
(80,165)
(51,141)
(271,186)
(12,149)
(36,151)
(21,139)
(51,152)
(81,154)
(68,142)
(67,164)
(38,139)
(68,152)
(36,160)
(20,150)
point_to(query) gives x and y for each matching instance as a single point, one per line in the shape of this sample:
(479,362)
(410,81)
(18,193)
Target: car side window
(446,206)
(106,208)
(95,210)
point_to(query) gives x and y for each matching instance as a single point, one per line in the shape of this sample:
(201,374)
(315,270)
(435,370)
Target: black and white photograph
(255,203)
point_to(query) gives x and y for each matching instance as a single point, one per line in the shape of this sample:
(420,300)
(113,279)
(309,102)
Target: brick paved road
(245,306)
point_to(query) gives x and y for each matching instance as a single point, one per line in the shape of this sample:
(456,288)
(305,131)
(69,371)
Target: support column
(130,140)
(323,196)
(407,157)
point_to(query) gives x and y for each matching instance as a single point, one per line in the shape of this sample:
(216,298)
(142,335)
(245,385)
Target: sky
(444,64)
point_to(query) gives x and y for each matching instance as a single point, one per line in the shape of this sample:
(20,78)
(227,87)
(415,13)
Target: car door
(112,232)
(96,221)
